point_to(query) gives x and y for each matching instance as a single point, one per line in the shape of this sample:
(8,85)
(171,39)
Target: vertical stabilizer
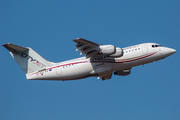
(27,58)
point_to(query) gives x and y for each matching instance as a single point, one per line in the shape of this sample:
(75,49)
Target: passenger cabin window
(132,50)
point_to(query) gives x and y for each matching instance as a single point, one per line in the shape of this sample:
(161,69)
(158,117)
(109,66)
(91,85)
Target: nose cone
(172,51)
(168,51)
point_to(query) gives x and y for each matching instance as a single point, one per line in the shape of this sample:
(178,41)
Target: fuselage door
(58,71)
(144,49)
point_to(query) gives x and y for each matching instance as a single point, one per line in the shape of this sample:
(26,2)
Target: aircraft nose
(172,51)
(168,51)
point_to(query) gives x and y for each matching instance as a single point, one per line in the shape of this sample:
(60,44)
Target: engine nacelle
(107,49)
(119,53)
(122,72)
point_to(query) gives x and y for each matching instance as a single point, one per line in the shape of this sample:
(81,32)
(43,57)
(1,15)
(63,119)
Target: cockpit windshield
(156,46)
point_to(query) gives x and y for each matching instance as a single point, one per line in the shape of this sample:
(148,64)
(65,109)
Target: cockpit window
(156,46)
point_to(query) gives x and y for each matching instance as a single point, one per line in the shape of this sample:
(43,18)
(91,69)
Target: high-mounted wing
(87,47)
(91,49)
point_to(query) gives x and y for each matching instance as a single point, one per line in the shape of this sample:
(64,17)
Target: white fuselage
(86,67)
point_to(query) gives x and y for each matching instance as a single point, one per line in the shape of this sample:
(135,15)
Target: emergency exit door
(144,49)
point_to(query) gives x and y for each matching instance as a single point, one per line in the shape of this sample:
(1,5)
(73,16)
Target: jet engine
(122,72)
(119,53)
(111,50)
(107,49)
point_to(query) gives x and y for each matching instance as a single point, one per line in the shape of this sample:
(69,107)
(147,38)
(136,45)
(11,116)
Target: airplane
(100,61)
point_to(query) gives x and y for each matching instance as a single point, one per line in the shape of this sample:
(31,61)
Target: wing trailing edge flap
(86,47)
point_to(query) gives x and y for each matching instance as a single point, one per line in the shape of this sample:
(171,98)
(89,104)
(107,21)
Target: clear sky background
(151,92)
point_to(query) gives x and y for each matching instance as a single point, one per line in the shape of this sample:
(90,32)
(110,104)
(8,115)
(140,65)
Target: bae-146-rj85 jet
(100,60)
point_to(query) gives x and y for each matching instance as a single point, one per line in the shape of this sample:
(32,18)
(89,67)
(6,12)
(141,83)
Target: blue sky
(151,91)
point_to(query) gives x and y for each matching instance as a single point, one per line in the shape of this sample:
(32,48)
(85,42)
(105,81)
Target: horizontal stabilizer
(14,48)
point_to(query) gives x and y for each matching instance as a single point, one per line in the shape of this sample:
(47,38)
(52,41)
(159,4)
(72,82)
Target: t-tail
(27,58)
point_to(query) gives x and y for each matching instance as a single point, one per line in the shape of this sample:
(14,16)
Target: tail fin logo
(24,55)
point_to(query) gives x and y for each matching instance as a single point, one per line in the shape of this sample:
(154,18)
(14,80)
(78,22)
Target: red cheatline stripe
(124,61)
(138,58)
(135,57)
